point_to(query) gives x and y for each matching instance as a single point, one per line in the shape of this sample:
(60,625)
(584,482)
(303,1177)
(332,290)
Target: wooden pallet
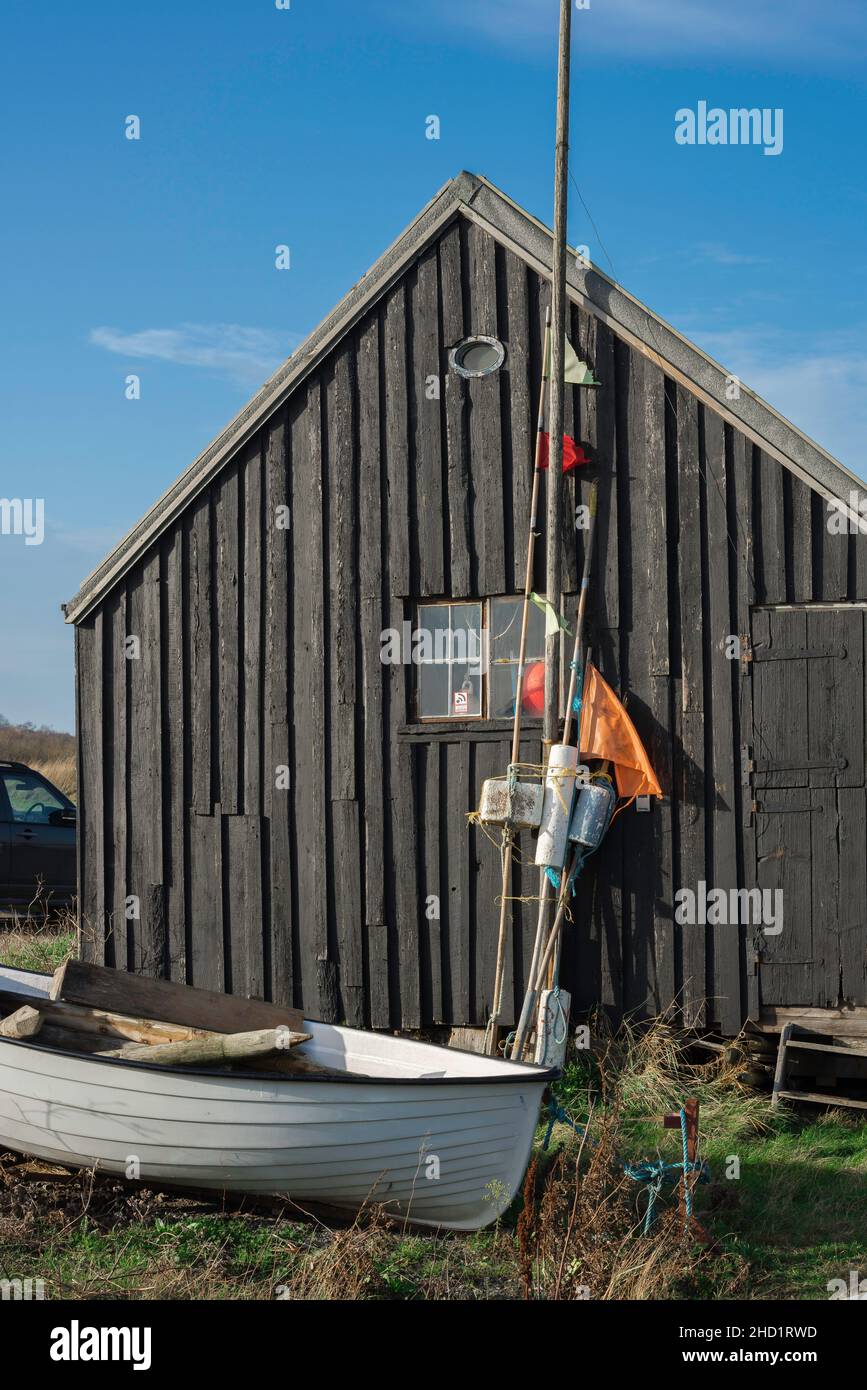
(787,1042)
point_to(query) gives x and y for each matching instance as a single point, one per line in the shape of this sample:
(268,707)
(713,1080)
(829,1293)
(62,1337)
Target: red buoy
(534,688)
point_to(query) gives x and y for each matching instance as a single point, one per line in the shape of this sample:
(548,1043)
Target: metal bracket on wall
(803,764)
(747,764)
(796,653)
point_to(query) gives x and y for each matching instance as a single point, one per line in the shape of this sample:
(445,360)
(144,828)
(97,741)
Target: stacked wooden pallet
(97,1010)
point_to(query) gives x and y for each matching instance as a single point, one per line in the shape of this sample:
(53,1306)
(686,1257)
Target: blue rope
(578,697)
(652,1173)
(687,1167)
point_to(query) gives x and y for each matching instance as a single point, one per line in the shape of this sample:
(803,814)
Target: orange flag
(608,732)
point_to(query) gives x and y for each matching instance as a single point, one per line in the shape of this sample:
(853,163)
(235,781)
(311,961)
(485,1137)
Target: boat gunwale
(529,1071)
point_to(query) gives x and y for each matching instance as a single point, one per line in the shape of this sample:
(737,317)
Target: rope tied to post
(652,1174)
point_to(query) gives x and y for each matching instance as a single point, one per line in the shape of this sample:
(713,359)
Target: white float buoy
(552,1027)
(518,804)
(557,806)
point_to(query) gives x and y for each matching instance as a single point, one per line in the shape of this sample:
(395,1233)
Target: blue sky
(306,126)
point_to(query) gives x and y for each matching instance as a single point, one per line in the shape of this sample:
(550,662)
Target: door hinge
(747,764)
(805,764)
(796,653)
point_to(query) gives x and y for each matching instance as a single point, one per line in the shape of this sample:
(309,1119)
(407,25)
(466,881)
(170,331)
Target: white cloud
(723,255)
(821,388)
(669,29)
(248,355)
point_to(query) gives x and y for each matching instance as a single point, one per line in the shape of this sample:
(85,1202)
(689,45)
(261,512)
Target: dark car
(37,837)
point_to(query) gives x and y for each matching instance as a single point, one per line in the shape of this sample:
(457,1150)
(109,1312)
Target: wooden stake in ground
(491,1039)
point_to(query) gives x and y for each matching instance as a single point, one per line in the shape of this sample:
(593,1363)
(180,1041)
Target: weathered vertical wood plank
(206,962)
(725,1005)
(340,469)
(485,419)
(596,428)
(309,696)
(242,875)
(405,817)
(278,756)
(853,894)
(373,673)
(197,527)
(174,620)
(461,551)
(771,530)
(89,639)
(652,553)
(226,715)
(116,711)
(426,458)
(252,599)
(522,415)
(145,766)
(431,940)
(739,459)
(800,542)
(691,762)
(830,553)
(459,848)
(339,472)
(490,759)
(397,442)
(831,693)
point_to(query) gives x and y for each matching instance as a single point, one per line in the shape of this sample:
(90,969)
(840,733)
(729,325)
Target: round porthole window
(478,356)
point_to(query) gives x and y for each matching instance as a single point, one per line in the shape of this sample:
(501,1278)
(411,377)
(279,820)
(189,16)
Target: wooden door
(806,774)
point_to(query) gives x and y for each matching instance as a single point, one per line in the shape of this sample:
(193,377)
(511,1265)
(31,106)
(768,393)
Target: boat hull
(435,1137)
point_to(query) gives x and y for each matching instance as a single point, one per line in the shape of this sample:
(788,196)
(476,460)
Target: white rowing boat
(434,1135)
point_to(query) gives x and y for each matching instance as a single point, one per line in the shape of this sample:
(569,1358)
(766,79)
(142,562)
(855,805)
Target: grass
(786,1205)
(38,945)
(788,1188)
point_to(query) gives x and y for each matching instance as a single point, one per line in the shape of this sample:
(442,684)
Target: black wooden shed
(268,808)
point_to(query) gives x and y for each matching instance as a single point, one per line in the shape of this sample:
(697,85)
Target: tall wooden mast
(553,543)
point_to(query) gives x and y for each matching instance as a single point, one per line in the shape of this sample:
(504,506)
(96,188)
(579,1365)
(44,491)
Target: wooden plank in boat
(97,986)
(109,1025)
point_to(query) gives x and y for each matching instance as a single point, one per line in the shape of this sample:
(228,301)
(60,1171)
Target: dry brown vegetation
(46,750)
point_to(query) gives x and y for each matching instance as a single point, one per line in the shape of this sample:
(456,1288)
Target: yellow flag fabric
(553,621)
(608,732)
(575,371)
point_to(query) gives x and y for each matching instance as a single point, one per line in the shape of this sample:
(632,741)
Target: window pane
(448,676)
(433,618)
(466,690)
(506,630)
(467,633)
(32,802)
(502,684)
(433,691)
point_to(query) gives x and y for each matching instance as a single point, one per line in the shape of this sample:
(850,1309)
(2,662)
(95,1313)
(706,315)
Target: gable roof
(472,196)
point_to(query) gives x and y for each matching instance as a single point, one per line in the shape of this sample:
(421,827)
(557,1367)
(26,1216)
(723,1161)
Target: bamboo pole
(491,1039)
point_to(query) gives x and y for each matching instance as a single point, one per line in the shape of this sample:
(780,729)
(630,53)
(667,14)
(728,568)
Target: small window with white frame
(465,656)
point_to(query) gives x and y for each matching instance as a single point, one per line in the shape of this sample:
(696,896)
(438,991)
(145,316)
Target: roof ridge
(477,198)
